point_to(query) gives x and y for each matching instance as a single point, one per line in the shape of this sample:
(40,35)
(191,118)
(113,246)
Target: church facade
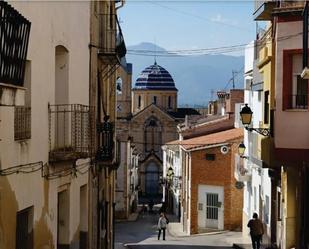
(151,123)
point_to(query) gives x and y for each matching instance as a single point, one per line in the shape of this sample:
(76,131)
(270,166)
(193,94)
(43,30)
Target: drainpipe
(305,36)
(121,5)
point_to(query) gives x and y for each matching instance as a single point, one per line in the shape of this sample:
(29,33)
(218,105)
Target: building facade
(48,127)
(210,198)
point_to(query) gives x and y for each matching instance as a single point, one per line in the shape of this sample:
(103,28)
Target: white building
(172,184)
(249,170)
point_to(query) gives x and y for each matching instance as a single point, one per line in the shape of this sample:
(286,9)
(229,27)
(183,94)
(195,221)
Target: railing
(292,4)
(22,123)
(298,102)
(14,37)
(71,131)
(111,38)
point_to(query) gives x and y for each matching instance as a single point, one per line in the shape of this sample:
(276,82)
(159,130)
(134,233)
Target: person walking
(162,223)
(256,231)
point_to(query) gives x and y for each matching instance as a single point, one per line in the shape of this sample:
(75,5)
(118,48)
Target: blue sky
(185,24)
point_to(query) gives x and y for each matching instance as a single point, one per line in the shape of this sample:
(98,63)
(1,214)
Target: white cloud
(219,18)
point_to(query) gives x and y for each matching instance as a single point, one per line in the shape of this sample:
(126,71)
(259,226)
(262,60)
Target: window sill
(296,110)
(12,86)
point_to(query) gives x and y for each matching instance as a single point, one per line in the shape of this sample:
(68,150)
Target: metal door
(212,210)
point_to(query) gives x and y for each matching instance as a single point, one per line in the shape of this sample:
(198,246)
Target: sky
(187,24)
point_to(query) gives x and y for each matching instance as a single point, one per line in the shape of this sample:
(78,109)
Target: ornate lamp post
(246,118)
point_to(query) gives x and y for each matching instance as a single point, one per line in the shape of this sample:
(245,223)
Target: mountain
(195,76)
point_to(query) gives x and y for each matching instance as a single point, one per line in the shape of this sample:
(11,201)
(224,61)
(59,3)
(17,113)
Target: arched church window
(119,85)
(154,101)
(169,102)
(153,135)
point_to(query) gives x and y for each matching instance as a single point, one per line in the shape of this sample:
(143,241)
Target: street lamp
(170,173)
(241,150)
(246,118)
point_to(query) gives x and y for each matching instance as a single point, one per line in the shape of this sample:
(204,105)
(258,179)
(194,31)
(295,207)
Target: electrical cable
(207,51)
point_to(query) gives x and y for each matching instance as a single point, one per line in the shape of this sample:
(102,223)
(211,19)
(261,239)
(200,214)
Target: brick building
(210,198)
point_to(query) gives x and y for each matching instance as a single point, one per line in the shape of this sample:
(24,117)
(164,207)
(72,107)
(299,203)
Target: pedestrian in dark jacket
(256,231)
(162,223)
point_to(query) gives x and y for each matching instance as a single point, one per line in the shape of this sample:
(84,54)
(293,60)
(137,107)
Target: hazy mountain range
(195,76)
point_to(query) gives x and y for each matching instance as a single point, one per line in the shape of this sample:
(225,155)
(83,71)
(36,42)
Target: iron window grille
(14,37)
(71,131)
(22,123)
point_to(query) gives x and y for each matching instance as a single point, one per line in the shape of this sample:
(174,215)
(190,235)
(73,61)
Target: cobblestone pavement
(142,234)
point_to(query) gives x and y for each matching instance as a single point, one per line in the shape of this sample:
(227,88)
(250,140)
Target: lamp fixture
(241,150)
(246,118)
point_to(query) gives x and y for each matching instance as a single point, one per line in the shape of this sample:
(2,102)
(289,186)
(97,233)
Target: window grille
(22,123)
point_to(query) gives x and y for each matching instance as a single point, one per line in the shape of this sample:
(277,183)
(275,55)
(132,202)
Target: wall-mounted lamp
(246,117)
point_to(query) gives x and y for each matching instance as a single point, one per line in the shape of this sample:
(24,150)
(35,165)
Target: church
(150,123)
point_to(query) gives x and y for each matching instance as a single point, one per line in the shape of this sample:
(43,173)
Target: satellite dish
(224,150)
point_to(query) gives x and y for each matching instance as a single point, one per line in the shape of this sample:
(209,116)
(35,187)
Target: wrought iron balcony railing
(298,101)
(14,37)
(111,41)
(22,123)
(71,131)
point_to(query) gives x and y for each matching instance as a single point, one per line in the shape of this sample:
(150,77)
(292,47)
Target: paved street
(142,234)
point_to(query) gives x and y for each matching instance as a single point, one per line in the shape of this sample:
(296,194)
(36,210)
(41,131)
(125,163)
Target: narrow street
(142,234)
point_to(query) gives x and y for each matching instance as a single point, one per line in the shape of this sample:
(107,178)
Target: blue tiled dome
(155,77)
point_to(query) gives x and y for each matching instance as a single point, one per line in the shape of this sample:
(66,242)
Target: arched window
(119,86)
(139,101)
(154,101)
(169,102)
(153,135)
(61,75)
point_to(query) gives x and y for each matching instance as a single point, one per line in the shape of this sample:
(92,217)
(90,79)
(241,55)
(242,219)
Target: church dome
(155,77)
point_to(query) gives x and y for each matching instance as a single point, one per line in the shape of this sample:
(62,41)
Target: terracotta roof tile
(210,139)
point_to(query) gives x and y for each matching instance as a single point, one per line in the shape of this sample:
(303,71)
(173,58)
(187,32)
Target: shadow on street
(175,246)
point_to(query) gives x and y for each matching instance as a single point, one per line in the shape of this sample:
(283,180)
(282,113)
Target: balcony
(298,102)
(263,10)
(71,132)
(241,173)
(111,43)
(22,123)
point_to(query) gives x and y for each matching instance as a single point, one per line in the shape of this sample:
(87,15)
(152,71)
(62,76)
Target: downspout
(121,5)
(305,36)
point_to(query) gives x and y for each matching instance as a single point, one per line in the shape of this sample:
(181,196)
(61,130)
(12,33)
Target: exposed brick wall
(235,96)
(219,173)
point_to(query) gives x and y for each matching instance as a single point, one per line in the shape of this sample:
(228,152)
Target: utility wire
(208,51)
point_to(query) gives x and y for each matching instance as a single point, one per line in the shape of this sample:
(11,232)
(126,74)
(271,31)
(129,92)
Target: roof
(210,140)
(155,77)
(183,112)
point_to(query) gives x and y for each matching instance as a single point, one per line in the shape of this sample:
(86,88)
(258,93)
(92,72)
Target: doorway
(210,207)
(152,179)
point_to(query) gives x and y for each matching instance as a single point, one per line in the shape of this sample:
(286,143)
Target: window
(22,123)
(266,107)
(153,135)
(169,102)
(154,101)
(266,210)
(139,101)
(300,93)
(119,86)
(210,157)
(295,89)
